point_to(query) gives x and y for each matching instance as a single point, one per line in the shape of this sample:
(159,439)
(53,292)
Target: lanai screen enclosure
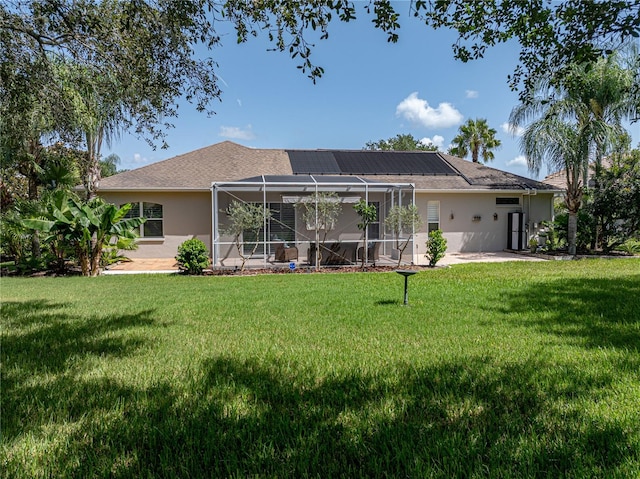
(280,197)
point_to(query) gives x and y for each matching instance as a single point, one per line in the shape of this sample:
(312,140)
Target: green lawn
(494,370)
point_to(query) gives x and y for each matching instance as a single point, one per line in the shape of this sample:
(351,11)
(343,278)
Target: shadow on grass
(593,312)
(43,350)
(267,418)
(387,302)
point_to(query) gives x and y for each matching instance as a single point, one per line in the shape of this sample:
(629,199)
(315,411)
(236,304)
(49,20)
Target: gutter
(487,190)
(154,190)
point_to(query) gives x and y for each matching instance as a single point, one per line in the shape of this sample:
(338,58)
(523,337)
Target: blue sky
(371,90)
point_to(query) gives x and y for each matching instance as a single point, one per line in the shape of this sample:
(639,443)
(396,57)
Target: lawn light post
(406,273)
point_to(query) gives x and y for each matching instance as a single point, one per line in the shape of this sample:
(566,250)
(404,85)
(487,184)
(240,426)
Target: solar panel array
(367,162)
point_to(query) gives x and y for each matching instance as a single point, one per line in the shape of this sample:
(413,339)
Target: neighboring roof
(559,178)
(228,161)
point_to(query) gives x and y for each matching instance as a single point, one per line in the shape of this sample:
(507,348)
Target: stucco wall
(188,215)
(465,233)
(185,215)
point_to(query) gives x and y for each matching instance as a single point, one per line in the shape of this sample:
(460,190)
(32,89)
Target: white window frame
(433,215)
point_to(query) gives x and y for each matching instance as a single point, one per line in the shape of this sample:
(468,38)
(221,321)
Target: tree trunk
(96,255)
(573,201)
(33,196)
(572,232)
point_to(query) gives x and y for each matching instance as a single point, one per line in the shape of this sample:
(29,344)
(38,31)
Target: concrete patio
(169,265)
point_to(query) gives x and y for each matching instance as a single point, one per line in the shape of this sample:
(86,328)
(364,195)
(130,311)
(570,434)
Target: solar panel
(392,163)
(310,162)
(364,162)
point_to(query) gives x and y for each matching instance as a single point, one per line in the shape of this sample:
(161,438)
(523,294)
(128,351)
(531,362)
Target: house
(478,208)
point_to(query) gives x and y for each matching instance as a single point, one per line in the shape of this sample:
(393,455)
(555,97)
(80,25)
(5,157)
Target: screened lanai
(290,234)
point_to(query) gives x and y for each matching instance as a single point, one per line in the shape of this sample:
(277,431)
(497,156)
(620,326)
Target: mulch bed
(305,270)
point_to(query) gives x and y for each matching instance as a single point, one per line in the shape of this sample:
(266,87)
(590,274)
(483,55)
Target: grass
(494,370)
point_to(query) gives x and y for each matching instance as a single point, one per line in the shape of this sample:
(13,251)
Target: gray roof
(228,161)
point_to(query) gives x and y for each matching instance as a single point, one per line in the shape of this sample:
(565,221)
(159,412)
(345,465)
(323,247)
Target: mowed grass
(494,370)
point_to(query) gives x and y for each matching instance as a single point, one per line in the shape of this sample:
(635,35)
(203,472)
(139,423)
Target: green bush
(586,230)
(436,247)
(193,256)
(631,246)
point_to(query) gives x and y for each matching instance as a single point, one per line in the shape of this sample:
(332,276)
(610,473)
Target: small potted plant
(533,245)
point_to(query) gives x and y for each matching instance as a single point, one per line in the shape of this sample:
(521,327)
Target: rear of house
(478,208)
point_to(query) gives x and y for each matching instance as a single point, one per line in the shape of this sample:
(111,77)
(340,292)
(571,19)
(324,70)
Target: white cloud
(471,94)
(138,159)
(518,161)
(236,133)
(418,111)
(508,128)
(437,140)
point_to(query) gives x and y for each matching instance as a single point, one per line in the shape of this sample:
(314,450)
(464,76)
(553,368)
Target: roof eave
(519,191)
(153,189)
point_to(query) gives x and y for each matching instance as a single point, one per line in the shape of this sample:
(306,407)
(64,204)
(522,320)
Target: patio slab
(488,257)
(169,265)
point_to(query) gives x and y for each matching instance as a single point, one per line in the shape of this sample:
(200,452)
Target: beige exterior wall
(468,223)
(188,215)
(185,216)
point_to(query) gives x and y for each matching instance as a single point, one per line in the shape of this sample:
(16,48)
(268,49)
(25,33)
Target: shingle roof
(558,179)
(228,161)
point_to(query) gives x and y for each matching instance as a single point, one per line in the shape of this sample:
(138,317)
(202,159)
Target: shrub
(586,229)
(630,246)
(436,247)
(193,256)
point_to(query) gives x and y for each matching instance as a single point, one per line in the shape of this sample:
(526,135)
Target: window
(153,227)
(507,201)
(282,224)
(433,216)
(281,227)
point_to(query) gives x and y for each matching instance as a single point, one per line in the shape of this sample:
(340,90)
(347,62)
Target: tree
(400,143)
(403,219)
(575,122)
(368,214)
(149,51)
(615,203)
(320,213)
(552,35)
(561,144)
(246,220)
(109,165)
(477,139)
(87,227)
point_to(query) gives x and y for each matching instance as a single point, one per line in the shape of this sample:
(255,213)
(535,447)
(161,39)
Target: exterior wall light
(495,217)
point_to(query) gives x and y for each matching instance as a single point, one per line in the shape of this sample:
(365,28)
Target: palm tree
(98,117)
(576,122)
(477,138)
